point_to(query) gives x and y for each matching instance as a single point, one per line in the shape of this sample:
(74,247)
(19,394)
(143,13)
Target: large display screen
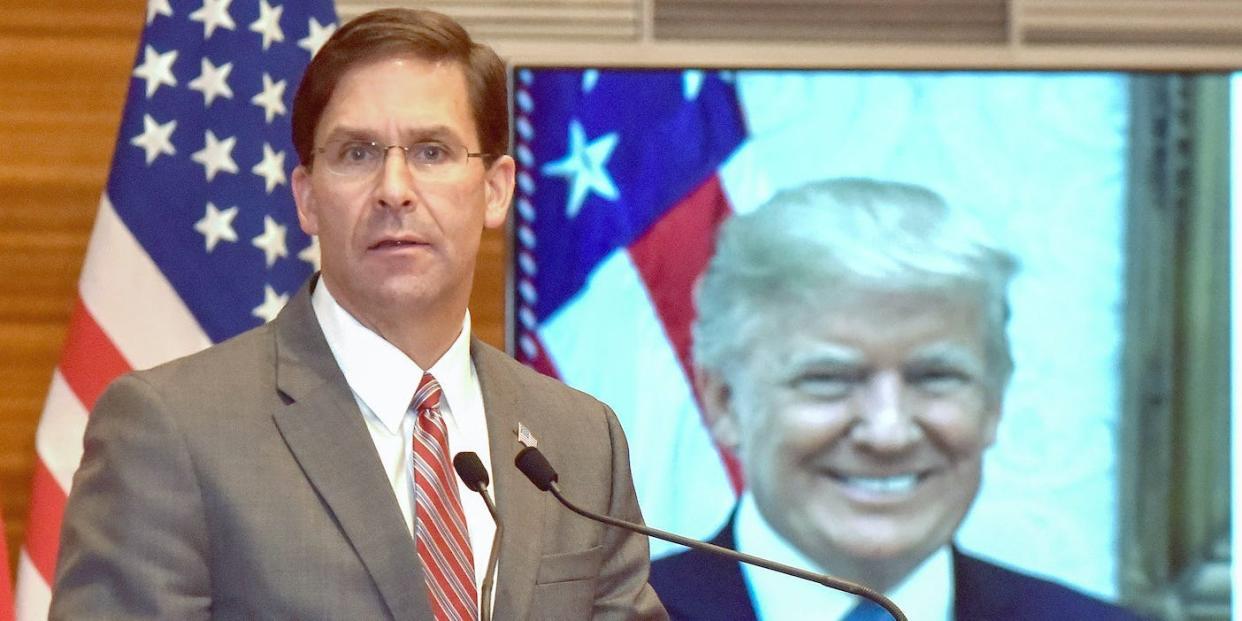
(625,177)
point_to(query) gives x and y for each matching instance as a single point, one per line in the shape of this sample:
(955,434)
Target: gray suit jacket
(241,483)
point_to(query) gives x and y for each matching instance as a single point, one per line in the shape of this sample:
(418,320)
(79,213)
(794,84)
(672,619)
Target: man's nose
(396,190)
(885,422)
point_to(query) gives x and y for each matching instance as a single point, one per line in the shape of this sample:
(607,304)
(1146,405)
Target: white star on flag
(155,139)
(217,225)
(590,78)
(158,7)
(310,254)
(156,69)
(691,84)
(272,303)
(272,241)
(585,167)
(214,14)
(216,155)
(268,24)
(271,168)
(318,35)
(212,82)
(272,98)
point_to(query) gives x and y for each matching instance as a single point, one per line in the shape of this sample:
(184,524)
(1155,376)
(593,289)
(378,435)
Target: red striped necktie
(439,522)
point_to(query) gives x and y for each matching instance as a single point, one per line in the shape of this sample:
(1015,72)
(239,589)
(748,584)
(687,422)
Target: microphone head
(470,468)
(535,466)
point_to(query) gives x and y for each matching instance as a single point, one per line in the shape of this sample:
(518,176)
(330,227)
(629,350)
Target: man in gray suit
(283,474)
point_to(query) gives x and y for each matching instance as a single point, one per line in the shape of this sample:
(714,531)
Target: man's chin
(405,294)
(402,293)
(882,539)
(879,564)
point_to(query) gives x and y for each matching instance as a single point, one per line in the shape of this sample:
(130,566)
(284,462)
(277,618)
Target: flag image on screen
(624,176)
(618,194)
(196,237)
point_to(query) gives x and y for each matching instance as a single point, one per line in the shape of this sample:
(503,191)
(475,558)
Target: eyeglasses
(361,158)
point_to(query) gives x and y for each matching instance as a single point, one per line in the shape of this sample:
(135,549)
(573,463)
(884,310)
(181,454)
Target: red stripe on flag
(90,361)
(670,256)
(47,505)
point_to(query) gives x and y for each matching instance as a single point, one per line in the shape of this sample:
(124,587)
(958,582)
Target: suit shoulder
(984,587)
(228,367)
(698,586)
(534,383)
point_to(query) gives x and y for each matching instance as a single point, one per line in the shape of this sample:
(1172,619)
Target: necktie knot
(427,397)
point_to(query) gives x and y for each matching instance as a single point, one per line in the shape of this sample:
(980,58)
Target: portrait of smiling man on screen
(851,352)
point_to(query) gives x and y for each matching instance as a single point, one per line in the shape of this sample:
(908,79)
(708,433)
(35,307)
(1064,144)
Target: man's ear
(307,218)
(498,191)
(718,410)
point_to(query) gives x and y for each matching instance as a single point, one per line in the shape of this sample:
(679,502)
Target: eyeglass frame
(405,148)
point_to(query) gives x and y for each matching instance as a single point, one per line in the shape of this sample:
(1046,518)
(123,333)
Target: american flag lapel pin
(525,437)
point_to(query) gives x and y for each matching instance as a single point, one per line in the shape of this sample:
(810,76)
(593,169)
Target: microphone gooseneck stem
(828,581)
(485,592)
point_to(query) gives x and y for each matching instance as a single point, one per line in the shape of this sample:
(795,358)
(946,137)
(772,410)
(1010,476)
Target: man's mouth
(895,484)
(385,244)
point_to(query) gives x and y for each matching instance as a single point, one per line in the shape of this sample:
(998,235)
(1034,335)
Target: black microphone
(535,466)
(470,468)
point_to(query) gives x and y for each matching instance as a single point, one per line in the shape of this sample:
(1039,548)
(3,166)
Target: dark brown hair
(426,35)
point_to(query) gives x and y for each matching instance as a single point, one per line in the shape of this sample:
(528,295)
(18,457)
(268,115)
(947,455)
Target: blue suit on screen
(697,586)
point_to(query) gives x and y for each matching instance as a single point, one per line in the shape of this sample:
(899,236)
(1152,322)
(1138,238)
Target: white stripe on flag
(680,482)
(59,438)
(32,596)
(131,300)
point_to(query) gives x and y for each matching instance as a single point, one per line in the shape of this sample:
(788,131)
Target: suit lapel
(978,590)
(326,434)
(519,503)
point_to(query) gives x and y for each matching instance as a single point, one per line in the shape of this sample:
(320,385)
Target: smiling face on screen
(861,424)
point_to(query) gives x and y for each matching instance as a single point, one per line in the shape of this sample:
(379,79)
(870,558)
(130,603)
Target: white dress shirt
(383,381)
(925,595)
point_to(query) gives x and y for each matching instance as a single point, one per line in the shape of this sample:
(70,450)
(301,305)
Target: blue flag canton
(602,156)
(201,169)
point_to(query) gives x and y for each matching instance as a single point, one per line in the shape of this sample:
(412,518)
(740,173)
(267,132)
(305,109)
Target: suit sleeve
(133,543)
(624,591)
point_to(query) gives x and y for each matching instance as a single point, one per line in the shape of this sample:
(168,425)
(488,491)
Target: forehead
(398,97)
(876,325)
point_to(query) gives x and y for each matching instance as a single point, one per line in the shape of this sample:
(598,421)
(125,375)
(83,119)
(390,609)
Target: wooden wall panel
(565,20)
(63,65)
(1197,23)
(900,21)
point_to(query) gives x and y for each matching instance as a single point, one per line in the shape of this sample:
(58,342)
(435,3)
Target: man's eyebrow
(349,133)
(441,133)
(950,355)
(825,354)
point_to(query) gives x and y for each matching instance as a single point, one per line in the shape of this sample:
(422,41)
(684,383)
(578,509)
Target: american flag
(618,200)
(196,238)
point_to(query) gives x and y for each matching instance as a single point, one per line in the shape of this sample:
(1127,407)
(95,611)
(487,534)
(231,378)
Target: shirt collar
(925,595)
(382,376)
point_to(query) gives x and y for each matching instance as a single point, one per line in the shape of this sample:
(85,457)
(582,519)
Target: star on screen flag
(196,237)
